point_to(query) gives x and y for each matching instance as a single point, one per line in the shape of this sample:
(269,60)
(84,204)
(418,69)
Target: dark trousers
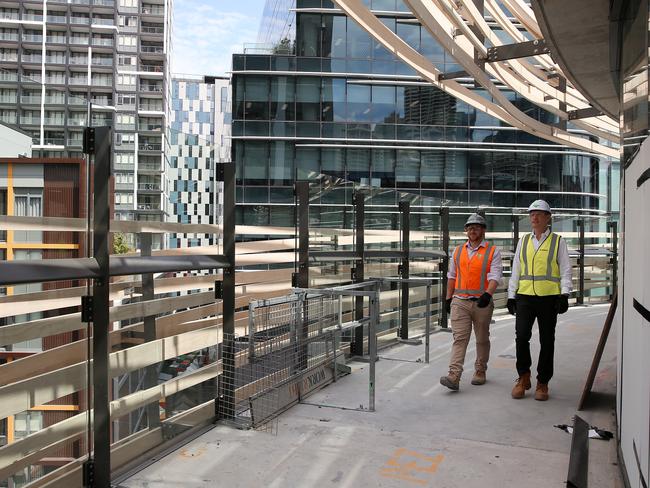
(529,308)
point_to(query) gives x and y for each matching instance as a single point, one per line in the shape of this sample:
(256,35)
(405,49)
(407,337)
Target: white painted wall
(633,397)
(14,143)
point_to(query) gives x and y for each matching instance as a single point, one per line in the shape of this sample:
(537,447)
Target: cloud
(206,33)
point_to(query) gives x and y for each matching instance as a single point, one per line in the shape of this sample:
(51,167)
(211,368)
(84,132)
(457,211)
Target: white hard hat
(476,219)
(540,205)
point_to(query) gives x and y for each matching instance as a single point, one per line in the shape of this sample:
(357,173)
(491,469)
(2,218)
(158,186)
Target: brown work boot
(451,381)
(478,378)
(541,392)
(522,384)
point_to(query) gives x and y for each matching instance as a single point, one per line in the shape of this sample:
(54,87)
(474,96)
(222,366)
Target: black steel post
(581,261)
(405,224)
(515,232)
(478,56)
(359,271)
(302,194)
(228,302)
(101,348)
(444,265)
(151,378)
(613,226)
(562,124)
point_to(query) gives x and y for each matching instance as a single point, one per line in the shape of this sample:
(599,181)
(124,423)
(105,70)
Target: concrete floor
(421,433)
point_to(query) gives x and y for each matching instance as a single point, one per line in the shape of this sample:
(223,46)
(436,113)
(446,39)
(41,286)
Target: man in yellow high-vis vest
(539,289)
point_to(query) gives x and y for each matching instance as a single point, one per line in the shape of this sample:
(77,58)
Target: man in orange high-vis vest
(474,273)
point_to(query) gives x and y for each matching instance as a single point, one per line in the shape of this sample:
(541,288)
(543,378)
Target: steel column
(227,383)
(427,324)
(101,462)
(359,272)
(405,214)
(581,261)
(151,377)
(614,259)
(444,264)
(302,281)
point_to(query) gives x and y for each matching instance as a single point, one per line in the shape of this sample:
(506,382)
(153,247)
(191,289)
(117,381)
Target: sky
(207,32)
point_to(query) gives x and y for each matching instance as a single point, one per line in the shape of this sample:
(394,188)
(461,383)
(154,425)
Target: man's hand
(512,306)
(448,305)
(484,300)
(562,304)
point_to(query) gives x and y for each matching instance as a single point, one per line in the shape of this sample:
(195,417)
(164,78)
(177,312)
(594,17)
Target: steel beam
(227,385)
(581,261)
(584,113)
(151,372)
(613,261)
(518,50)
(452,75)
(302,281)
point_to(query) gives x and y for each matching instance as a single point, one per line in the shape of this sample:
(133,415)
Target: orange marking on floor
(409,466)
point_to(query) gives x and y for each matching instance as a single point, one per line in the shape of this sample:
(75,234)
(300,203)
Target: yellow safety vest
(539,271)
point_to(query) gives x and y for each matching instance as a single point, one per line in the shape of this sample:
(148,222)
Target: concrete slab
(421,434)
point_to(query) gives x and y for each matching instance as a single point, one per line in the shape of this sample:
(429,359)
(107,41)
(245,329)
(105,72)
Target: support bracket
(518,50)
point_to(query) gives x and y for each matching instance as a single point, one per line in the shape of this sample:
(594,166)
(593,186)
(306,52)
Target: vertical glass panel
(430,49)
(433,169)
(359,103)
(256,163)
(409,33)
(307,98)
(407,169)
(307,162)
(257,98)
(379,51)
(333,93)
(281,163)
(283,98)
(359,42)
(383,104)
(334,42)
(456,170)
(333,162)
(358,162)
(480,170)
(308,35)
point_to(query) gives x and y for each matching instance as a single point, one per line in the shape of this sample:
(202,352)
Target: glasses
(474,227)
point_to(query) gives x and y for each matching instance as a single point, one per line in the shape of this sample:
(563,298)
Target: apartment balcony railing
(9,57)
(55,39)
(150,107)
(102,101)
(151,88)
(149,147)
(152,10)
(30,120)
(78,81)
(152,30)
(31,58)
(60,19)
(82,41)
(149,186)
(8,76)
(96,21)
(151,69)
(77,122)
(8,36)
(80,2)
(79,60)
(55,59)
(149,167)
(150,127)
(77,100)
(102,82)
(102,42)
(79,20)
(148,206)
(33,17)
(8,119)
(9,16)
(102,121)
(102,61)
(104,3)
(75,142)
(54,141)
(151,49)
(55,100)
(8,99)
(53,121)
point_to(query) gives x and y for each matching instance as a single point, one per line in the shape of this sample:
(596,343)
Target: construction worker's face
(474,232)
(539,220)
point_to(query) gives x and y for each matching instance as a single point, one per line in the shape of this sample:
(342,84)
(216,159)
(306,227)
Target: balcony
(104,3)
(102,81)
(55,59)
(34,17)
(30,99)
(152,49)
(150,147)
(79,60)
(149,206)
(54,121)
(9,16)
(54,141)
(152,10)
(150,127)
(99,21)
(149,187)
(8,36)
(75,142)
(102,62)
(59,19)
(9,57)
(81,41)
(152,30)
(79,20)
(8,118)
(4,99)
(96,41)
(151,88)
(31,58)
(149,167)
(8,77)
(55,39)
(149,68)
(30,120)
(150,107)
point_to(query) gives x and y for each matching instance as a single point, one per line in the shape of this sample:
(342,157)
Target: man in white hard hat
(539,289)
(474,274)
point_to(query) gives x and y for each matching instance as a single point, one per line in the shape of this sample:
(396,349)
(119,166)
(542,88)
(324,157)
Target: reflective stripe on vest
(487,260)
(541,279)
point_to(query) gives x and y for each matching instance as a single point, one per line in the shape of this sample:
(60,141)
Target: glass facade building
(340,104)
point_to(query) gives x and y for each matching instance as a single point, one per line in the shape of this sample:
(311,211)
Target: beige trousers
(464,314)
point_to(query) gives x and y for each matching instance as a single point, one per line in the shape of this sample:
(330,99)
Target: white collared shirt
(563,261)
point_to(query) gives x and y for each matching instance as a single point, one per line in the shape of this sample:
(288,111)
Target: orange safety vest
(471,273)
